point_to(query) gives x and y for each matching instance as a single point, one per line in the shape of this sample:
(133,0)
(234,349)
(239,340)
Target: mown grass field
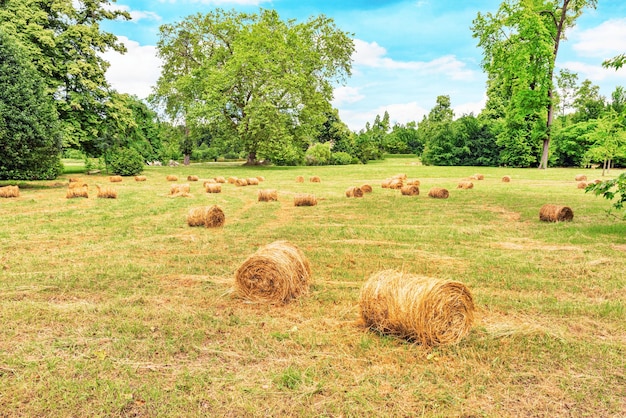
(118,308)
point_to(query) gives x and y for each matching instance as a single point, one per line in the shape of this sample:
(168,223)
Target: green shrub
(341,158)
(318,154)
(126,162)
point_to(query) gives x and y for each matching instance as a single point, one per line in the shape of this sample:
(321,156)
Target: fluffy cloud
(220,2)
(136,15)
(603,41)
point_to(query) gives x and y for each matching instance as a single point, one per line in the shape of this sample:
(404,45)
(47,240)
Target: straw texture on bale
(10,191)
(193,178)
(465,185)
(385,184)
(580,177)
(77,192)
(209,181)
(115,179)
(299,179)
(479,176)
(220,179)
(276,273)
(106,192)
(213,188)
(74,180)
(421,309)
(196,216)
(253,181)
(232,180)
(366,188)
(581,184)
(400,177)
(304,199)
(260,178)
(438,193)
(241,182)
(354,192)
(506,179)
(315,179)
(171,178)
(180,190)
(410,191)
(268,195)
(215,217)
(77,184)
(555,213)
(396,184)
(141,178)
(413,182)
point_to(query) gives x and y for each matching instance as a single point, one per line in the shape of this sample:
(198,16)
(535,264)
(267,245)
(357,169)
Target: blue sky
(408,52)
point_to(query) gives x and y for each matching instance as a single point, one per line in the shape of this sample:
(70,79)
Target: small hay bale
(220,179)
(260,178)
(597,181)
(421,309)
(241,182)
(177,189)
(413,182)
(213,188)
(385,184)
(141,178)
(315,179)
(410,190)
(193,178)
(506,179)
(77,192)
(253,181)
(354,192)
(581,184)
(209,181)
(268,195)
(478,177)
(197,216)
(232,180)
(580,177)
(304,199)
(396,184)
(366,188)
(106,192)
(10,191)
(215,217)
(555,213)
(276,273)
(299,179)
(115,179)
(438,193)
(77,184)
(171,178)
(465,185)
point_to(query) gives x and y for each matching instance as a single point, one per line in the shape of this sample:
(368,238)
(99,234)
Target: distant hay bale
(179,189)
(581,184)
(421,309)
(304,199)
(385,184)
(465,185)
(410,190)
(299,179)
(478,177)
(506,179)
(141,178)
(260,178)
(220,179)
(555,213)
(74,180)
(276,273)
(213,188)
(253,181)
(597,181)
(241,182)
(396,184)
(215,217)
(354,192)
(438,193)
(268,195)
(77,192)
(209,181)
(106,192)
(77,184)
(10,191)
(366,188)
(580,177)
(115,179)
(232,180)
(413,182)
(315,179)
(193,178)
(171,178)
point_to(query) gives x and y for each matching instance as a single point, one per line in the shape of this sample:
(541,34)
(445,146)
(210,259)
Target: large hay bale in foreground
(196,216)
(315,179)
(213,188)
(580,177)
(77,192)
(410,190)
(106,192)
(115,179)
(304,199)
(171,178)
(555,213)
(10,191)
(268,195)
(366,188)
(465,185)
(354,192)
(422,309)
(276,273)
(141,178)
(438,193)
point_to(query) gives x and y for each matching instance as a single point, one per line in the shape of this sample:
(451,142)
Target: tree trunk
(186,160)
(603,167)
(544,154)
(251,158)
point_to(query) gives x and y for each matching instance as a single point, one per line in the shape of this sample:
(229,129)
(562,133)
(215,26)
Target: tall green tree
(609,140)
(520,44)
(267,81)
(30,141)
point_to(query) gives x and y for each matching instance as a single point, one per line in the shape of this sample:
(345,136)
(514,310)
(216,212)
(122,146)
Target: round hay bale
(10,191)
(74,179)
(171,178)
(209,181)
(315,179)
(506,179)
(555,213)
(396,184)
(385,184)
(268,195)
(115,179)
(276,273)
(597,181)
(438,193)
(260,178)
(193,178)
(465,185)
(580,177)
(176,189)
(253,181)
(77,184)
(413,182)
(366,188)
(215,217)
(106,192)
(141,178)
(299,179)
(478,177)
(354,192)
(422,309)
(410,190)
(219,179)
(232,180)
(196,216)
(77,192)
(581,184)
(241,182)
(213,188)
(304,199)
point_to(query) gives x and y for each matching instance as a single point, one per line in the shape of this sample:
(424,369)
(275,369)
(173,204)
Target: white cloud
(134,72)
(471,107)
(345,94)
(604,41)
(135,15)
(594,73)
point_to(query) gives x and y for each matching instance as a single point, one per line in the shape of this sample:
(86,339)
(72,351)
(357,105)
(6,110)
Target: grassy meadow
(115,307)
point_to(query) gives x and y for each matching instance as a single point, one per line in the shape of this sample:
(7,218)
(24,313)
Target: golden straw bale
(241,182)
(232,180)
(555,213)
(478,177)
(315,179)
(197,216)
(385,184)
(213,188)
(106,192)
(10,191)
(77,184)
(410,190)
(141,178)
(115,179)
(465,185)
(215,217)
(354,192)
(209,181)
(220,179)
(472,178)
(299,179)
(176,189)
(268,195)
(366,188)
(396,184)
(193,178)
(421,309)
(580,177)
(581,184)
(304,199)
(413,182)
(438,193)
(506,179)
(253,181)
(77,192)
(276,273)
(171,178)
(260,178)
